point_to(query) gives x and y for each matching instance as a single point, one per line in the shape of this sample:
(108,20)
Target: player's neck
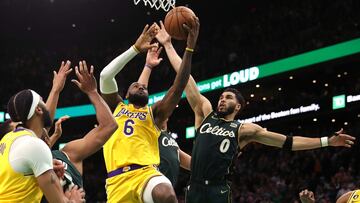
(229,117)
(138,106)
(36,128)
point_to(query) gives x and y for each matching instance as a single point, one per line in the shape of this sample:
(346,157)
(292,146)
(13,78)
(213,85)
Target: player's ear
(238,107)
(38,110)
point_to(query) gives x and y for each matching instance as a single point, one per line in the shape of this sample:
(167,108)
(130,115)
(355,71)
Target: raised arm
(164,108)
(200,105)
(152,60)
(108,85)
(58,85)
(250,132)
(80,149)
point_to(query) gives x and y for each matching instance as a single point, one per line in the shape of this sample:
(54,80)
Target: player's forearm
(103,113)
(305,143)
(191,89)
(185,160)
(174,58)
(53,139)
(108,83)
(182,77)
(145,75)
(52,101)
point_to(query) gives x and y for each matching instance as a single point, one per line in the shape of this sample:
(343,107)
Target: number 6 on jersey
(128,127)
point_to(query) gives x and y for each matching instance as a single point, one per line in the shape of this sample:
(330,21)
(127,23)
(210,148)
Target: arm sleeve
(108,83)
(30,155)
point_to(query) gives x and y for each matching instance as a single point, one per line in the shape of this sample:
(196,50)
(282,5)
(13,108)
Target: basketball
(174,20)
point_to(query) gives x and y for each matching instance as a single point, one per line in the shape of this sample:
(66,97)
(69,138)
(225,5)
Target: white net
(157,4)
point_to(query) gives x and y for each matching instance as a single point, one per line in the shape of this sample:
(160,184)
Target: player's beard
(138,99)
(46,118)
(227,111)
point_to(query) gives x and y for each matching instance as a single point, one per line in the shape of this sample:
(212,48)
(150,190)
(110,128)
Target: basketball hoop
(157,4)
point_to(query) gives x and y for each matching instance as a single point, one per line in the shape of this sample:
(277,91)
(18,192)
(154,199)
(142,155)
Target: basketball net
(157,4)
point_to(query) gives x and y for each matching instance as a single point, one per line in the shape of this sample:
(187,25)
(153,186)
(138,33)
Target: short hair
(5,128)
(238,96)
(19,106)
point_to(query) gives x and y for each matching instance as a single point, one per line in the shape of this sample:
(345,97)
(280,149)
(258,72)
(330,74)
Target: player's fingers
(64,118)
(85,67)
(81,67)
(151,46)
(67,65)
(92,70)
(68,71)
(339,132)
(55,74)
(145,29)
(162,25)
(186,27)
(62,64)
(159,50)
(77,73)
(77,83)
(349,142)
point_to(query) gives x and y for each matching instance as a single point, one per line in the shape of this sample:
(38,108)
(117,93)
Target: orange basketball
(174,20)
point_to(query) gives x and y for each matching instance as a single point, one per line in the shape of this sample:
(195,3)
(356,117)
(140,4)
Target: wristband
(148,66)
(136,49)
(324,141)
(189,49)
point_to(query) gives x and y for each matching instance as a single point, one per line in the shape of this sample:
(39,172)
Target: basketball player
(26,176)
(171,156)
(307,196)
(72,155)
(218,136)
(132,153)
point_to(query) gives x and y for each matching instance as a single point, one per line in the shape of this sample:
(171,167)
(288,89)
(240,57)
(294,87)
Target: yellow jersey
(136,139)
(354,197)
(14,186)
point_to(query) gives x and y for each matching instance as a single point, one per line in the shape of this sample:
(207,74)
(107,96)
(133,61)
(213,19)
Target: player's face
(138,94)
(227,104)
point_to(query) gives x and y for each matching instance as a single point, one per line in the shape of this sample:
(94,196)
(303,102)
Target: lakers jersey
(14,186)
(355,197)
(136,139)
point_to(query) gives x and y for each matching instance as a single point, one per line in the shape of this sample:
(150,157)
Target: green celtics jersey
(72,175)
(215,145)
(169,156)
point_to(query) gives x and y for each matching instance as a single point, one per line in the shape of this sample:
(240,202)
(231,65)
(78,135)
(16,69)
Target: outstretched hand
(307,196)
(163,36)
(193,32)
(58,126)
(152,57)
(341,140)
(60,76)
(86,80)
(143,43)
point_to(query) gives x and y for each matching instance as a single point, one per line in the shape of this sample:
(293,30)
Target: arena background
(36,35)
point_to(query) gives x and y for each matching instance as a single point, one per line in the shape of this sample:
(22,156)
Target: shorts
(128,187)
(199,193)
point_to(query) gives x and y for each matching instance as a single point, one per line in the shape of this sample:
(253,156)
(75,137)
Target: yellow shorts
(128,187)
